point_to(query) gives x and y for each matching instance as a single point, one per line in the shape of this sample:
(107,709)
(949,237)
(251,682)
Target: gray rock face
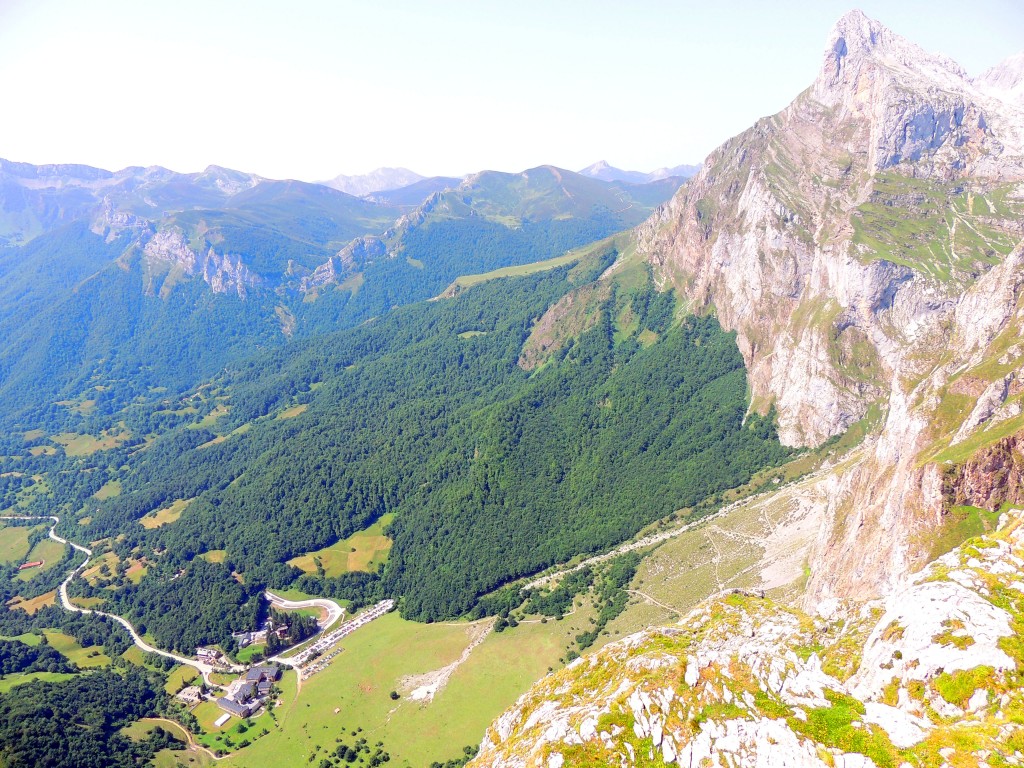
(227,274)
(345,263)
(794,233)
(224,273)
(169,245)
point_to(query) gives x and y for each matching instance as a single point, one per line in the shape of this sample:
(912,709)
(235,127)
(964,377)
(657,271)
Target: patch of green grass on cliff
(853,354)
(981,438)
(594,754)
(958,687)
(1005,202)
(719,711)
(771,706)
(998,362)
(833,727)
(960,524)
(817,312)
(779,173)
(932,227)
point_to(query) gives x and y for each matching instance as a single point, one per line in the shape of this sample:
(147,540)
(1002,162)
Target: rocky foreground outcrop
(928,676)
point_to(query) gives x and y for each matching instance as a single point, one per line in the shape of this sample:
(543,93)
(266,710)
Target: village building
(190,695)
(248,693)
(232,707)
(266,672)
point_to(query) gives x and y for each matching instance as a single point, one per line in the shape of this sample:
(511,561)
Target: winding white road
(334,611)
(65,601)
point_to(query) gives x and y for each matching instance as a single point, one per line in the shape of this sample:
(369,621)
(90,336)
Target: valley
(539,468)
(137,482)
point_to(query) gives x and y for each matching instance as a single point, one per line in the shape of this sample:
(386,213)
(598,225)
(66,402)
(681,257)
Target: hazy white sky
(312,88)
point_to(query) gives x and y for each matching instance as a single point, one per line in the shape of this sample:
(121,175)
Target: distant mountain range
(380,180)
(132,259)
(390,180)
(415,193)
(605,172)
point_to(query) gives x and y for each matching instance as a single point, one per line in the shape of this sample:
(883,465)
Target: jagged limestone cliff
(866,246)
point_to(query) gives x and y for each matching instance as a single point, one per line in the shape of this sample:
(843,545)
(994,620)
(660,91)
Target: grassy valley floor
(354,691)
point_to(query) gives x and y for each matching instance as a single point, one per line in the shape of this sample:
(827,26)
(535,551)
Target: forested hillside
(145,283)
(491,472)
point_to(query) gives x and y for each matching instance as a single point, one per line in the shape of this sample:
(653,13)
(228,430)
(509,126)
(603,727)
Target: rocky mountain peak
(1005,80)
(379,180)
(853,241)
(854,36)
(857,41)
(596,168)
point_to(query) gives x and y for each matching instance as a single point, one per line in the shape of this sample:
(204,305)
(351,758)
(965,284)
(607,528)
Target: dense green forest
(589,451)
(109,333)
(76,723)
(185,606)
(16,656)
(493,472)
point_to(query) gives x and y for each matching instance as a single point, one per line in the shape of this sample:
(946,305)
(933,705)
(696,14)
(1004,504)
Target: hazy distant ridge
(605,172)
(380,180)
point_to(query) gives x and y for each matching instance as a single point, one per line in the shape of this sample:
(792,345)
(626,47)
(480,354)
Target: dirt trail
(651,600)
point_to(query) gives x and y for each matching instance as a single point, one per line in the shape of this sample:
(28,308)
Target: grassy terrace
(47,550)
(466,281)
(86,658)
(13,542)
(84,445)
(362,551)
(7,682)
(166,515)
(941,230)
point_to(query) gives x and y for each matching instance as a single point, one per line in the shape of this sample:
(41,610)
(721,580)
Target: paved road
(334,611)
(65,601)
